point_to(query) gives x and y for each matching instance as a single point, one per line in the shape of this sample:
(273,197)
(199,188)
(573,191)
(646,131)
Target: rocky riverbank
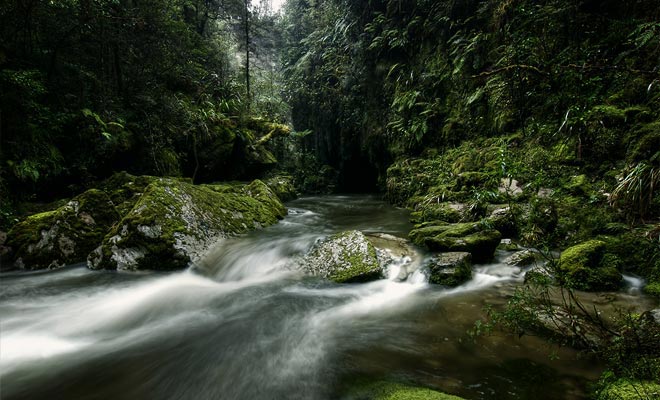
(143,222)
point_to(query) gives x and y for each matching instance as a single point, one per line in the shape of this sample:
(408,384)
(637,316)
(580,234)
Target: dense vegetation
(382,75)
(435,103)
(157,87)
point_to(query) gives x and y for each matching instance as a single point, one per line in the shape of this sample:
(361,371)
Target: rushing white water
(634,283)
(245,324)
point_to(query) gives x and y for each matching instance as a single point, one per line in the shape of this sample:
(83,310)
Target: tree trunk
(247,54)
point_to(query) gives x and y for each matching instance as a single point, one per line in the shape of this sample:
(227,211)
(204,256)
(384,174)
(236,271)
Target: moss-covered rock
(344,257)
(63,236)
(627,389)
(652,289)
(579,186)
(446,211)
(383,390)
(282,186)
(587,267)
(505,220)
(174,222)
(522,258)
(450,269)
(471,237)
(125,189)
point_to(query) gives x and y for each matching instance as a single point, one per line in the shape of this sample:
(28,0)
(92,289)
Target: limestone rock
(344,257)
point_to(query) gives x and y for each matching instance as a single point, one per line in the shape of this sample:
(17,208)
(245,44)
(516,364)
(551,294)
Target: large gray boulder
(344,257)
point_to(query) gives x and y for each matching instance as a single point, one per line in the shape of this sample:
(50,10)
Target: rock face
(469,237)
(586,266)
(174,222)
(63,236)
(344,257)
(450,269)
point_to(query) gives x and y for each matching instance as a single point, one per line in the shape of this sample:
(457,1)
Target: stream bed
(244,325)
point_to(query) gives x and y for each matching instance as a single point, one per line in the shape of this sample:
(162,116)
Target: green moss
(587,267)
(470,237)
(344,257)
(608,115)
(282,186)
(174,221)
(125,189)
(65,235)
(450,269)
(648,145)
(383,390)
(626,389)
(435,212)
(579,186)
(652,289)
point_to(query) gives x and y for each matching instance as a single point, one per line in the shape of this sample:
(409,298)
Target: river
(244,325)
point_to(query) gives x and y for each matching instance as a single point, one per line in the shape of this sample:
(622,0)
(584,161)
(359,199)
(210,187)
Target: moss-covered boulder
(446,211)
(586,266)
(652,289)
(450,269)
(384,390)
(282,186)
(344,257)
(125,189)
(471,237)
(174,222)
(63,236)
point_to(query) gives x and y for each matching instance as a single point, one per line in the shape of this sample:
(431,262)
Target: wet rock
(586,266)
(174,222)
(63,236)
(450,269)
(395,251)
(539,275)
(522,258)
(508,245)
(344,257)
(480,241)
(282,186)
